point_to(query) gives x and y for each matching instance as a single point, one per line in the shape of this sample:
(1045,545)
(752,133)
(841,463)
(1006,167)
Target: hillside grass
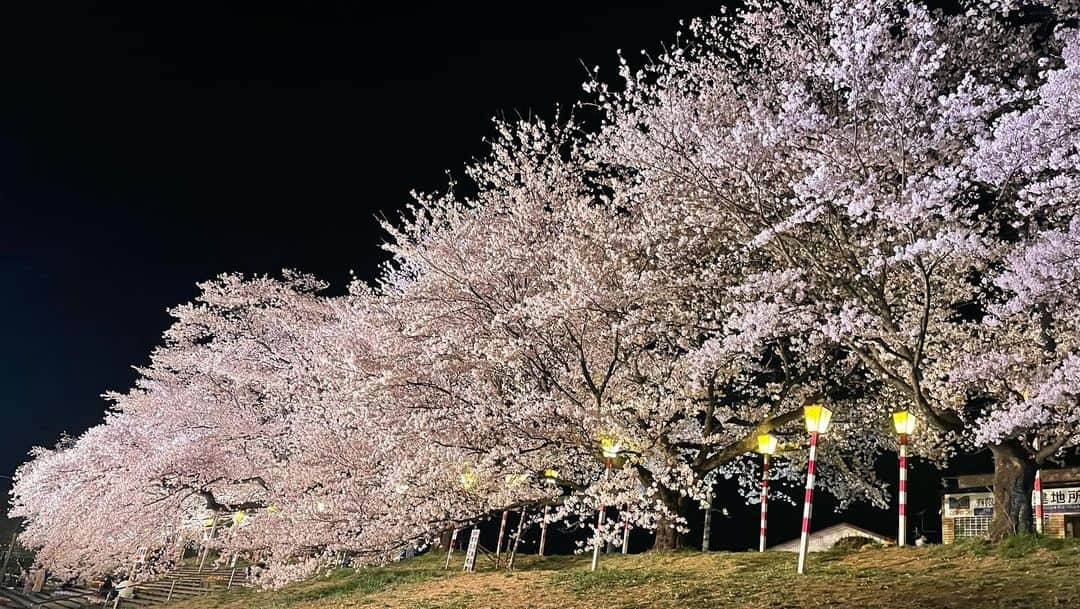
(1025,572)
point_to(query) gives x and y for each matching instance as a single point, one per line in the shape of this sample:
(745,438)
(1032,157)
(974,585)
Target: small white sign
(969,504)
(470,555)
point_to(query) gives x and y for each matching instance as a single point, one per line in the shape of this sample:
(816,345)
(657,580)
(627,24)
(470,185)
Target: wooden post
(206,546)
(708,522)
(543,531)
(517,540)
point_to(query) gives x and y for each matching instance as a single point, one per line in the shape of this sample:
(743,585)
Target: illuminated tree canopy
(866,203)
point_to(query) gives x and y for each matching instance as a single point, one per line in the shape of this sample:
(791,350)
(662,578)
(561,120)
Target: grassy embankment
(1024,572)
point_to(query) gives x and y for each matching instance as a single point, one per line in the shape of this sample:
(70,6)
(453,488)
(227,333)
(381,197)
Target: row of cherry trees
(866,203)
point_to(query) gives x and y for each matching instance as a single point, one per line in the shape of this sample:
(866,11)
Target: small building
(966,512)
(825,538)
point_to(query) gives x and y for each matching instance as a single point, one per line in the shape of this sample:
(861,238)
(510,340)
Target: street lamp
(551,477)
(610,448)
(817,422)
(904,424)
(469,479)
(512,481)
(766,445)
(1038,490)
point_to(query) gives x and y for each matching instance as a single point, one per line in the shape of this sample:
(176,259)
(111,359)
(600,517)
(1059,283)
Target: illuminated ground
(1022,573)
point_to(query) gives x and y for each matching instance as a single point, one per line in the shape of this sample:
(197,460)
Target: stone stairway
(185,582)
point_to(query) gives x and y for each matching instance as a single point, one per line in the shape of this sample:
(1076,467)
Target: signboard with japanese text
(470,554)
(969,504)
(1055,501)
(1061,500)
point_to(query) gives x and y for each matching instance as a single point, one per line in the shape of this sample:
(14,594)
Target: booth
(967,511)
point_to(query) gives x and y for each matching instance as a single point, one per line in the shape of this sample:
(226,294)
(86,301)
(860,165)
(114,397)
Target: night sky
(145,149)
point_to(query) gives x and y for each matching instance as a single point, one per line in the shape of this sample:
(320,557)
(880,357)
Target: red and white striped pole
(599,541)
(502,534)
(450,550)
(764,501)
(808,504)
(543,531)
(901,537)
(1038,495)
(600,519)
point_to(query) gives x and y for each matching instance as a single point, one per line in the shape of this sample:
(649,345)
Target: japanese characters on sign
(969,504)
(1061,500)
(1055,501)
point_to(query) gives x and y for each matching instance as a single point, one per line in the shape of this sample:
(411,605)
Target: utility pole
(7,555)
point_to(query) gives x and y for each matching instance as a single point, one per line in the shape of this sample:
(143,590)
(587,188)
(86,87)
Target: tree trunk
(444,538)
(668,538)
(1014,482)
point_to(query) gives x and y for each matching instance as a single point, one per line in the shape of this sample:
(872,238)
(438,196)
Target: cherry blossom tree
(863,203)
(840,143)
(1024,366)
(590,314)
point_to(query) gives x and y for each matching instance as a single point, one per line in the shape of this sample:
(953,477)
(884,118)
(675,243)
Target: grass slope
(1024,572)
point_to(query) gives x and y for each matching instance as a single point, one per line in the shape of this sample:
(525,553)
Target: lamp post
(469,478)
(626,531)
(502,534)
(551,477)
(817,421)
(904,423)
(766,445)
(707,525)
(450,548)
(610,449)
(1038,493)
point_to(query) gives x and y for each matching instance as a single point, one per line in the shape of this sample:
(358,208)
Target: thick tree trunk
(668,538)
(1014,482)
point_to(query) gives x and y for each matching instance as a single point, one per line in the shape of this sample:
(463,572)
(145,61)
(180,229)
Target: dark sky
(145,149)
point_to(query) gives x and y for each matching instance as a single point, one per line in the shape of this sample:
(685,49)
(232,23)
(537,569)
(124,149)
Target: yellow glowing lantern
(551,475)
(239,517)
(904,422)
(817,418)
(272,509)
(610,447)
(469,479)
(766,444)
